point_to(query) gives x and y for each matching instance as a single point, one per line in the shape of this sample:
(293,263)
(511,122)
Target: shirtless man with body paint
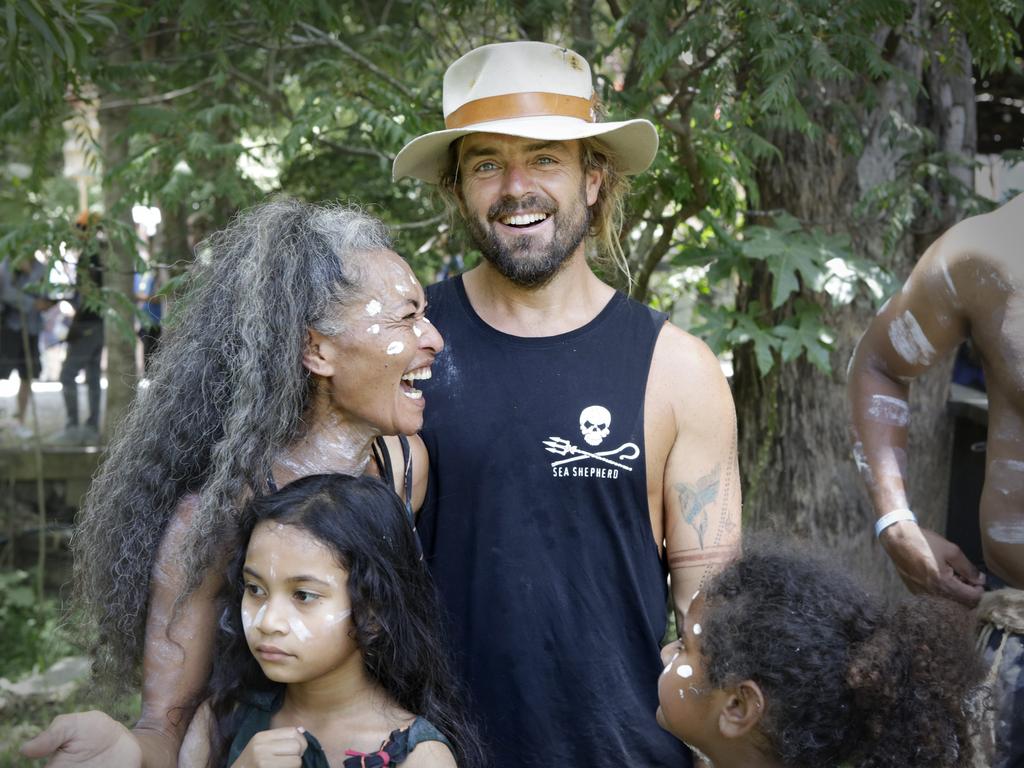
(968,284)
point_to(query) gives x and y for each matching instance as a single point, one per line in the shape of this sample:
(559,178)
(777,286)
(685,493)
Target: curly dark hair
(846,681)
(395,610)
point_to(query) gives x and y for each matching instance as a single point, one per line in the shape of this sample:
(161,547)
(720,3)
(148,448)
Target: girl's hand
(279,748)
(85,739)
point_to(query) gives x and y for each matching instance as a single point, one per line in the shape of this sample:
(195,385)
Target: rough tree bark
(119,269)
(794,436)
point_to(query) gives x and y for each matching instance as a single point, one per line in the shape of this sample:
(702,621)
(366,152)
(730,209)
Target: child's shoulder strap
(424,730)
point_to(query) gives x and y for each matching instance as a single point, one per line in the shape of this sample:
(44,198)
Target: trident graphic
(562,447)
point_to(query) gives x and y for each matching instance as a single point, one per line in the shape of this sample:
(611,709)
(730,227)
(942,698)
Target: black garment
(537,531)
(261,706)
(84,341)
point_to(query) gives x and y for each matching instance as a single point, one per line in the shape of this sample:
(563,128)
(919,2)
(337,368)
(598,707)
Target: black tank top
(537,532)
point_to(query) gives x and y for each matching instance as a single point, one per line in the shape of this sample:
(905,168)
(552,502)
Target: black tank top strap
(382,459)
(407,463)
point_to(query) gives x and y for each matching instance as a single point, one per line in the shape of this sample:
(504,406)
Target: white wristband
(890,518)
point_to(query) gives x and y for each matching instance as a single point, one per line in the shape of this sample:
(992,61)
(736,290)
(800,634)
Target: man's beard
(521,259)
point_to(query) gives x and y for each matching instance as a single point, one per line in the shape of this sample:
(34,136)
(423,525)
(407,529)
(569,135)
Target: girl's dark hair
(395,611)
(845,680)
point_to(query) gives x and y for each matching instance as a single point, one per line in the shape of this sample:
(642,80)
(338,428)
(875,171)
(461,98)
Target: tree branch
(347,150)
(654,256)
(317,35)
(156,98)
(420,224)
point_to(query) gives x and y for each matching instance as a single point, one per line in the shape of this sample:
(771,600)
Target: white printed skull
(594,424)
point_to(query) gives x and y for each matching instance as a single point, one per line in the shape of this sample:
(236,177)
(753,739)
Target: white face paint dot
(696,629)
(417,330)
(684,670)
(395,348)
(373,308)
(373,329)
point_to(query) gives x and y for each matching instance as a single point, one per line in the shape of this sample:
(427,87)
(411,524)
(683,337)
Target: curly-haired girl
(786,661)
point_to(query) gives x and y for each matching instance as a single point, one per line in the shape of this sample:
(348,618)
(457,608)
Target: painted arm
(176,665)
(919,326)
(701,490)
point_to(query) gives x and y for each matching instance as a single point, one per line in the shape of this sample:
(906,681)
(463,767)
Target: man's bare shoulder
(685,374)
(993,239)
(679,352)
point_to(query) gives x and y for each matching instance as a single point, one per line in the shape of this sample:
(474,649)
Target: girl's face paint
(685,701)
(296,622)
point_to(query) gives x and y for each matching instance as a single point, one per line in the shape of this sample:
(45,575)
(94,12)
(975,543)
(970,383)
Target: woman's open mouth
(417,374)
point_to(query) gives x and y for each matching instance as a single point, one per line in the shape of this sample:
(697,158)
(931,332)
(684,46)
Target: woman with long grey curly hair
(299,341)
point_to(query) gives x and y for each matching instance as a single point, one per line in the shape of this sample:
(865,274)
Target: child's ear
(314,356)
(743,709)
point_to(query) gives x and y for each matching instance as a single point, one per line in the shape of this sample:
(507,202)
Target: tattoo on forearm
(700,558)
(726,522)
(695,499)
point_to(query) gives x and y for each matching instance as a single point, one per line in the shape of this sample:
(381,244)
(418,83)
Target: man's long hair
(228,391)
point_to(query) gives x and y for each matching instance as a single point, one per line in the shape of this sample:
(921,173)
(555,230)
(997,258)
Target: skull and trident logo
(595,426)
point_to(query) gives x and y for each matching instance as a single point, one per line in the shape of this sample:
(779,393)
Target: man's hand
(929,564)
(278,748)
(89,739)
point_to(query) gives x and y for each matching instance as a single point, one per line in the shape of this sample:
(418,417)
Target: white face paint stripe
(337,618)
(259,615)
(889,410)
(300,630)
(417,330)
(395,348)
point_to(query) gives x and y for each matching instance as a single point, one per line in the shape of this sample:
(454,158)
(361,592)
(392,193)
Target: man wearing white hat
(581,446)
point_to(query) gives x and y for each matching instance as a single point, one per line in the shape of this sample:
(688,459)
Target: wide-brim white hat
(526,89)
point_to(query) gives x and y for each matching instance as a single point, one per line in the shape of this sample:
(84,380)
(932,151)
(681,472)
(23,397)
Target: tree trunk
(119,269)
(794,436)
